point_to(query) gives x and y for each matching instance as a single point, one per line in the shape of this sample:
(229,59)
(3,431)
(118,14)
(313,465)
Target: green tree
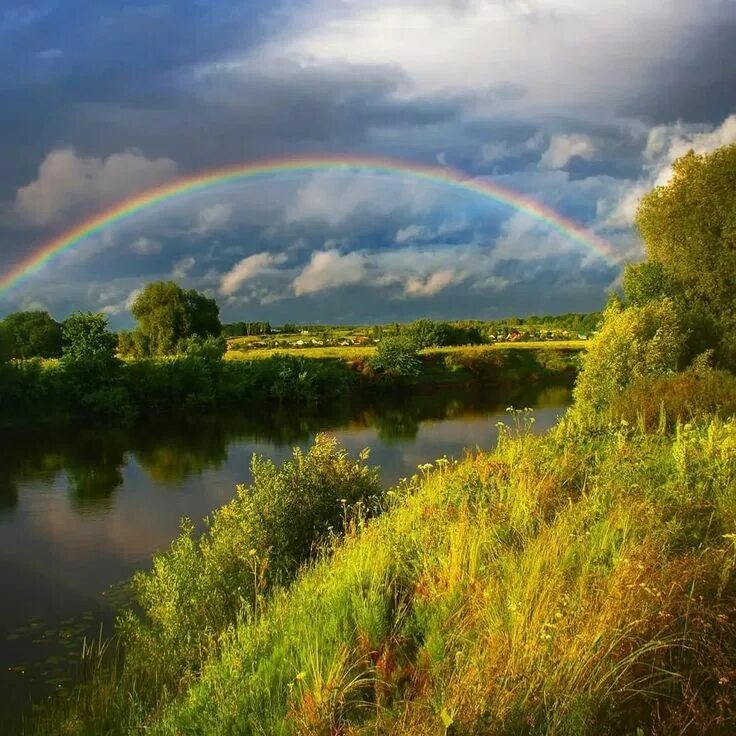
(425,333)
(689,229)
(633,343)
(168,315)
(34,335)
(87,339)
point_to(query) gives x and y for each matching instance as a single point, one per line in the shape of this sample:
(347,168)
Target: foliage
(396,356)
(168,315)
(259,539)
(633,343)
(647,282)
(208,348)
(244,329)
(425,333)
(6,344)
(579,582)
(33,335)
(656,401)
(689,228)
(86,339)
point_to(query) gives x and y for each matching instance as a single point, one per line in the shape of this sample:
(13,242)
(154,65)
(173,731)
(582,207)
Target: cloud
(410,233)
(563,148)
(67,181)
(216,217)
(121,306)
(432,285)
(328,269)
(501,150)
(248,269)
(146,246)
(336,198)
(604,54)
(664,145)
(182,267)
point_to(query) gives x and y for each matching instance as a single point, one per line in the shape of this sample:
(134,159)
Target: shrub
(397,356)
(682,397)
(259,539)
(86,339)
(633,343)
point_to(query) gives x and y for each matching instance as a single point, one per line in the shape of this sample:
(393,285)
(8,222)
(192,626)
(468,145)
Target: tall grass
(573,584)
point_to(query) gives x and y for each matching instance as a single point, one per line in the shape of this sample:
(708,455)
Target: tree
(33,335)
(633,343)
(646,282)
(168,315)
(425,333)
(87,339)
(689,230)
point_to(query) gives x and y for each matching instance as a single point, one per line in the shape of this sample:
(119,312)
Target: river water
(82,508)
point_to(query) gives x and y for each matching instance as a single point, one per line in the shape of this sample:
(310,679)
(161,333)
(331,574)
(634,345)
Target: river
(82,508)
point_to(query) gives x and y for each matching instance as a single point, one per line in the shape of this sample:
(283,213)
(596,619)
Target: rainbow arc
(444,176)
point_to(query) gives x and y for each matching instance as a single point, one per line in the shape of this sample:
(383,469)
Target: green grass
(580,582)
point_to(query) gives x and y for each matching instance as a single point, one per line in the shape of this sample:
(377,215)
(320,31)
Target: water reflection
(93,459)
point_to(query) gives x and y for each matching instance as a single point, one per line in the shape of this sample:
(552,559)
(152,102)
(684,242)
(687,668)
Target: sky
(580,106)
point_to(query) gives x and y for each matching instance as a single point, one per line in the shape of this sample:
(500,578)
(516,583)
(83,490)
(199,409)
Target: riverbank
(577,582)
(53,392)
(94,503)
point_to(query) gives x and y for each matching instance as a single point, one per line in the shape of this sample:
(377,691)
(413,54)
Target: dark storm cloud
(695,79)
(214,83)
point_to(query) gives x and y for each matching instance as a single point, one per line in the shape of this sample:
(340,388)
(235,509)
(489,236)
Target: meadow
(237,350)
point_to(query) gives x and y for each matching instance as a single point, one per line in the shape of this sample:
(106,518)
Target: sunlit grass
(352,354)
(571,584)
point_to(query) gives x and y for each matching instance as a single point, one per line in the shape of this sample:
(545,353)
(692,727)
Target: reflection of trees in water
(93,467)
(8,495)
(172,451)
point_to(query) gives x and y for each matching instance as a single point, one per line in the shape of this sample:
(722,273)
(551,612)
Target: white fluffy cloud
(247,269)
(328,269)
(563,148)
(665,144)
(146,246)
(432,285)
(336,198)
(66,181)
(410,233)
(182,267)
(560,54)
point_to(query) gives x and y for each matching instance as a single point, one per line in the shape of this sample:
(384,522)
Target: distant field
(361,353)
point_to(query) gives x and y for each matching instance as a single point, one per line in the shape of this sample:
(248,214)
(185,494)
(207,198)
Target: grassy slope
(575,583)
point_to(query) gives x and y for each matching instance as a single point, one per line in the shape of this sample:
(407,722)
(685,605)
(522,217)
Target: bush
(633,343)
(259,539)
(655,401)
(86,339)
(397,356)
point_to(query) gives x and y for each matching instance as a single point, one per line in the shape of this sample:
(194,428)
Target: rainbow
(444,176)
